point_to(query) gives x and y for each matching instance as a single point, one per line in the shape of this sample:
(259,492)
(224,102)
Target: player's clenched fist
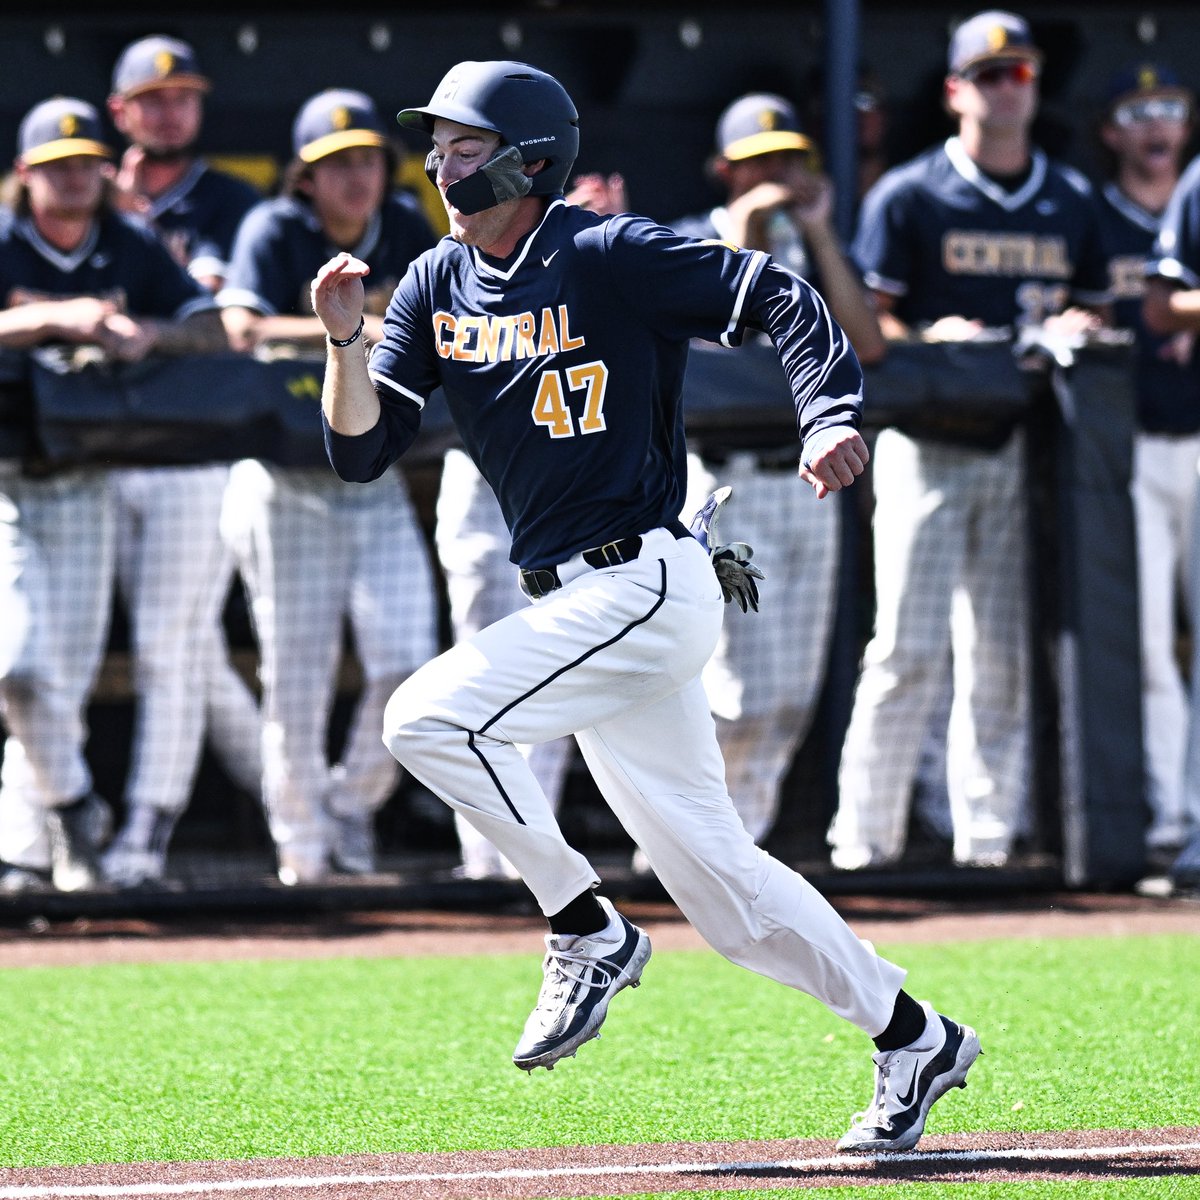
(832,459)
(338,294)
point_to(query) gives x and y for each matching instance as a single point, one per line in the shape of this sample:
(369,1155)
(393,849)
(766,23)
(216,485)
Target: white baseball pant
(1164,495)
(764,678)
(950,580)
(174,572)
(315,551)
(481,585)
(615,656)
(56,573)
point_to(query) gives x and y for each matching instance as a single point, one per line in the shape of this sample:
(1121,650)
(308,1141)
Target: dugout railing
(1075,403)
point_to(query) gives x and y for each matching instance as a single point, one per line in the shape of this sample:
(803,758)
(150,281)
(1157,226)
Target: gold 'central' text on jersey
(971,252)
(483,338)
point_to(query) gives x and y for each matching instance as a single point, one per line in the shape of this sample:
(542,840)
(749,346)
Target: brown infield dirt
(1074,1155)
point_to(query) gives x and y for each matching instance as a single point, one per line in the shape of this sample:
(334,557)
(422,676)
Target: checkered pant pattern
(315,552)
(950,572)
(56,573)
(764,678)
(1164,493)
(174,573)
(481,584)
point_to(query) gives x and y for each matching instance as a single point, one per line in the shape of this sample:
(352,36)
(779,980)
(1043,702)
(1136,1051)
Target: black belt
(539,582)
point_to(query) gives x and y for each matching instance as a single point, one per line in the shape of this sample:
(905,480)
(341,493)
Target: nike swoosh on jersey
(548,259)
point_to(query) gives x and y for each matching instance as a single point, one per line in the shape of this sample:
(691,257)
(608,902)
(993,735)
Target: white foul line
(840,1161)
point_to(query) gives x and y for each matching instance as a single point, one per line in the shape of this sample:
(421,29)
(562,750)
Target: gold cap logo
(68,125)
(768,119)
(164,63)
(340,117)
(1147,78)
(997,37)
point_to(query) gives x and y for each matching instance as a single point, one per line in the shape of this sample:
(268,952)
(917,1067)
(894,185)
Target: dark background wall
(649,79)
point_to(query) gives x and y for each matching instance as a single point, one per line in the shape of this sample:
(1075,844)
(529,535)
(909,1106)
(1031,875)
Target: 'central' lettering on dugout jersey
(944,239)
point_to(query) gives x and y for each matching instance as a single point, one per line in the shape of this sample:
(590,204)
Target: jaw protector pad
(500,178)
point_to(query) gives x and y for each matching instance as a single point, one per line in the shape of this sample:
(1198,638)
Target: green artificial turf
(248,1059)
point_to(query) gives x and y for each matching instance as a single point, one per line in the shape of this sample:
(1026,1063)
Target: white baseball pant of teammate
(56,573)
(174,572)
(482,586)
(616,655)
(314,550)
(764,678)
(1164,492)
(950,580)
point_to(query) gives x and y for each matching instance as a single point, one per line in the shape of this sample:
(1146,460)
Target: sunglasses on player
(1153,108)
(992,73)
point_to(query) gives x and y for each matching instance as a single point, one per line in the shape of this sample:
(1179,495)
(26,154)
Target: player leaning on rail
(560,339)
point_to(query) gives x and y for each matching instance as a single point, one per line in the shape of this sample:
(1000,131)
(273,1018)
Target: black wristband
(351,339)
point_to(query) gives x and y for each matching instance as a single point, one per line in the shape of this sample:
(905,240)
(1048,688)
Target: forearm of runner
(820,364)
(363,437)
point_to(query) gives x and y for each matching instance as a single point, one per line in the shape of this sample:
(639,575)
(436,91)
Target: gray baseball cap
(760,123)
(992,34)
(62,127)
(335,120)
(156,62)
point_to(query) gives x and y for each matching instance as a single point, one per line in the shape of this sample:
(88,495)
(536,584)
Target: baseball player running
(172,566)
(71,271)
(315,551)
(980,233)
(560,340)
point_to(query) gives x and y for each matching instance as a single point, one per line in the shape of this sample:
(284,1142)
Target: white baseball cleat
(582,974)
(907,1084)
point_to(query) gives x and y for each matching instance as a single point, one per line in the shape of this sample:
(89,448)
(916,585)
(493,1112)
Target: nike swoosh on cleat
(548,259)
(907,1099)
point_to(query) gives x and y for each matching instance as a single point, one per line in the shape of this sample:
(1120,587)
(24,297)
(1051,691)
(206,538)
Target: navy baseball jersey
(1168,392)
(281,246)
(568,358)
(121,259)
(1176,254)
(946,240)
(199,217)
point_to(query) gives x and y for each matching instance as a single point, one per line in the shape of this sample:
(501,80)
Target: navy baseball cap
(760,123)
(60,128)
(991,35)
(1144,79)
(335,120)
(155,62)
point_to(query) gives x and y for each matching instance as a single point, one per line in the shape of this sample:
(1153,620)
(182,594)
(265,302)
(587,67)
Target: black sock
(582,915)
(907,1024)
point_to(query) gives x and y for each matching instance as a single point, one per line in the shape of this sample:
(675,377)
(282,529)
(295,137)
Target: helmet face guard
(529,110)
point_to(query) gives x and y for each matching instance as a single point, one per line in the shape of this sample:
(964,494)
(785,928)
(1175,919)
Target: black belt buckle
(613,554)
(538,583)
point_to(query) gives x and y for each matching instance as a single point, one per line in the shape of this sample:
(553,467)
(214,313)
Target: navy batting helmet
(526,107)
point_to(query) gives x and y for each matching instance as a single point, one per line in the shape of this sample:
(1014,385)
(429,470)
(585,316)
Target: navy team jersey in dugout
(120,259)
(1168,393)
(1176,254)
(945,240)
(199,217)
(563,368)
(281,246)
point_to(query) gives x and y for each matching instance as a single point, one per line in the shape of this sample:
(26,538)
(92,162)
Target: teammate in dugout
(313,551)
(73,271)
(981,234)
(1146,125)
(1172,306)
(173,568)
(560,339)
(764,679)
